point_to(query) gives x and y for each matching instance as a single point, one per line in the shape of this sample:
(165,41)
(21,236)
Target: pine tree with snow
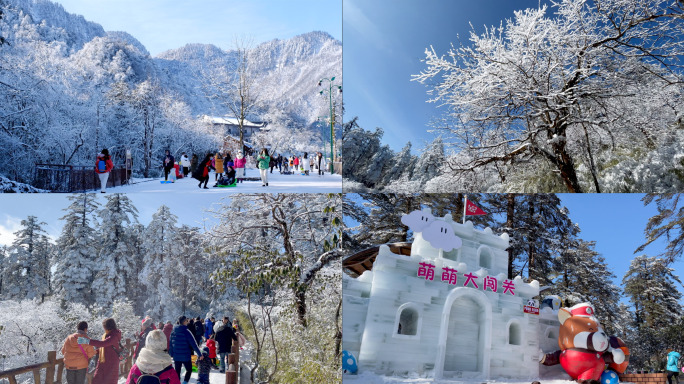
(27,275)
(403,164)
(116,276)
(161,265)
(430,162)
(669,222)
(652,288)
(76,250)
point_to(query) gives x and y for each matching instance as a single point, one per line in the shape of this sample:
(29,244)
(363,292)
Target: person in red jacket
(211,345)
(103,165)
(168,328)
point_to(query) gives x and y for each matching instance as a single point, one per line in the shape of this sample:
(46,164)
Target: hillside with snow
(68,88)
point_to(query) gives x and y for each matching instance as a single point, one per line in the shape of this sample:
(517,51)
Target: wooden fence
(54,369)
(233,371)
(74,178)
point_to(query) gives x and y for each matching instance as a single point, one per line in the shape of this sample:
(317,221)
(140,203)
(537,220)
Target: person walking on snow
(263,162)
(76,356)
(319,158)
(224,337)
(202,171)
(240,163)
(182,345)
(103,165)
(145,330)
(167,163)
(672,366)
(185,163)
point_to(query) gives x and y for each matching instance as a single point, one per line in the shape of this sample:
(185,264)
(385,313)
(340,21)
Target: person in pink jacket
(240,162)
(107,371)
(154,360)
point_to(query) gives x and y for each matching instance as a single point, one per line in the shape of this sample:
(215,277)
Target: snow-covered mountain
(287,72)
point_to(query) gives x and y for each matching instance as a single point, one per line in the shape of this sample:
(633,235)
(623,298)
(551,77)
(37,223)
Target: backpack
(147,378)
(101,165)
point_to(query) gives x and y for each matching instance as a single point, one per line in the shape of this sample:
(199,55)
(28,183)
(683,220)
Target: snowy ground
(277,183)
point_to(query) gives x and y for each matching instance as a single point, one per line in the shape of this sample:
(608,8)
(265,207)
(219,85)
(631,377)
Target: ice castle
(446,313)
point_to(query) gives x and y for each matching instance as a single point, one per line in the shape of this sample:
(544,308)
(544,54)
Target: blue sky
(384,43)
(166,24)
(616,222)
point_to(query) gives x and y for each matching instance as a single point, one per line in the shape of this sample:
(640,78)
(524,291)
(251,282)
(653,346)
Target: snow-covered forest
(578,96)
(645,310)
(273,261)
(68,88)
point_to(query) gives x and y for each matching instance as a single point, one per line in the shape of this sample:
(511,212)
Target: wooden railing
(56,366)
(73,178)
(52,366)
(233,371)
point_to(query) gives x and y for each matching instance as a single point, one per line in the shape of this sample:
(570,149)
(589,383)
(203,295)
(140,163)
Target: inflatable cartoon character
(585,347)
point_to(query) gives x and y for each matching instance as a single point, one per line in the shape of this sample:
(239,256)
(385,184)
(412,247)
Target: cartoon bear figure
(583,344)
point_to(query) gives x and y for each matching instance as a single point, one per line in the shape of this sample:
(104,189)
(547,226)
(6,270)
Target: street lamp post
(332,118)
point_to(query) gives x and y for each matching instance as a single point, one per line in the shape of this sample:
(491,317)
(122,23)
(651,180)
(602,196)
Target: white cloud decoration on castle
(438,233)
(417,221)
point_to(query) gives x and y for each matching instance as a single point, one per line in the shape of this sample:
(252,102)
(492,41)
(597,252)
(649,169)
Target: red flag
(473,210)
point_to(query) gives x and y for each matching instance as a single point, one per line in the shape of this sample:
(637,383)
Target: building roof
(362,261)
(232,121)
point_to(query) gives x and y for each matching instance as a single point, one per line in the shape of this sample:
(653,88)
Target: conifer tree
(27,274)
(116,276)
(74,259)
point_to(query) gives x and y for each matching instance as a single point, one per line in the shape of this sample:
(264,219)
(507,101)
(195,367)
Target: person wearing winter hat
(182,345)
(204,367)
(76,356)
(146,328)
(240,162)
(154,361)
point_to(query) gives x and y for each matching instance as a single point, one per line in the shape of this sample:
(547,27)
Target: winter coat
(185,161)
(218,164)
(211,344)
(168,161)
(182,344)
(108,163)
(74,358)
(224,337)
(240,162)
(107,371)
(199,331)
(202,170)
(296,161)
(208,328)
(168,328)
(306,164)
(263,161)
(168,376)
(193,164)
(672,360)
(141,340)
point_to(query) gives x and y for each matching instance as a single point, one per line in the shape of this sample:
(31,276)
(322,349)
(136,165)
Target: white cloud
(8,225)
(441,235)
